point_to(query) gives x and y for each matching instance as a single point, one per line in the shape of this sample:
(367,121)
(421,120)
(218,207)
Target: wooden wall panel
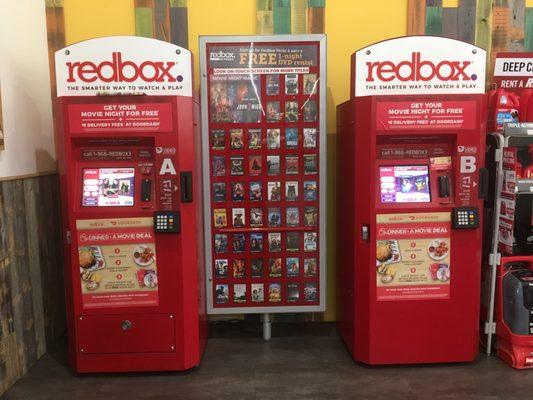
(32,301)
(290,16)
(298,16)
(165,20)
(466,21)
(265,17)
(494,25)
(528,29)
(179,24)
(282,16)
(162,20)
(450,23)
(316,16)
(434,20)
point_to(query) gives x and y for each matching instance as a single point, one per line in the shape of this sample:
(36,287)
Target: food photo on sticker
(143,255)
(387,252)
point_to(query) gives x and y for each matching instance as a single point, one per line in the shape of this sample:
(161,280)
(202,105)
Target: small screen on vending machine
(404,184)
(108,187)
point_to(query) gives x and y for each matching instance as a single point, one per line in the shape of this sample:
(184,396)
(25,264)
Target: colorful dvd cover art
(274,292)
(220,219)
(293,241)
(273,113)
(292,216)
(273,165)
(310,267)
(239,293)
(310,241)
(291,165)
(219,192)
(274,217)
(254,165)
(291,111)
(220,243)
(309,138)
(310,190)
(236,139)
(310,216)
(237,191)
(218,166)
(310,166)
(310,84)
(239,242)
(234,98)
(293,292)
(221,268)
(256,242)
(258,292)
(237,165)
(239,268)
(291,191)
(274,242)
(221,294)
(273,138)
(256,267)
(218,139)
(272,85)
(254,139)
(256,192)
(274,191)
(310,291)
(291,84)
(256,217)
(274,267)
(291,138)
(238,217)
(310,111)
(293,266)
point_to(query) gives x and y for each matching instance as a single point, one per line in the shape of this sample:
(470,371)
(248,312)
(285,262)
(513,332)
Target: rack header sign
(418,65)
(123,65)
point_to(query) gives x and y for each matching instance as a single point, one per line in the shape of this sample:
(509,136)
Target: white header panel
(419,65)
(123,64)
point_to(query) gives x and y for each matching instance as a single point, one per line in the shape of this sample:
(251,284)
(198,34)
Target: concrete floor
(303,361)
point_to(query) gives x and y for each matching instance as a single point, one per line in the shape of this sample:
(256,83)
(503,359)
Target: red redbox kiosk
(131,198)
(410,148)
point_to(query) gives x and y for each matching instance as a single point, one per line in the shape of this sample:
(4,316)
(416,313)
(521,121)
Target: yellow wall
(215,17)
(350,25)
(87,19)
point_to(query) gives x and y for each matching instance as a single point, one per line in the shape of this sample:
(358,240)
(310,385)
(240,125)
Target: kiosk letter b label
(468,164)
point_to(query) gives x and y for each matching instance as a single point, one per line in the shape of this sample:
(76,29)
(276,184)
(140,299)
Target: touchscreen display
(108,187)
(404,184)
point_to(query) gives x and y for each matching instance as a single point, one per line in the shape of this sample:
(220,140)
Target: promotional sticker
(413,256)
(117,262)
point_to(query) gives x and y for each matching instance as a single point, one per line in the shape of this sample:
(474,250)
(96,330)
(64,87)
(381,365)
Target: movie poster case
(264,157)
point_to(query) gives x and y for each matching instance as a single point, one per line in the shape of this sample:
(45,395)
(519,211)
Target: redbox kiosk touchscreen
(131,206)
(410,148)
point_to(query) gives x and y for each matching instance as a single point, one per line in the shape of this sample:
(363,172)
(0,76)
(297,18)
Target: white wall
(25,85)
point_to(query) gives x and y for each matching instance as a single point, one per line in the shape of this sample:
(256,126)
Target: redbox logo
(418,70)
(117,70)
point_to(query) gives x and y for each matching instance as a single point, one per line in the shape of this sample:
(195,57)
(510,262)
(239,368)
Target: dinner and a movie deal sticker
(413,256)
(117,262)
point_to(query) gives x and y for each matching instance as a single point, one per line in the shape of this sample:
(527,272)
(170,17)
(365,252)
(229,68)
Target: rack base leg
(267,327)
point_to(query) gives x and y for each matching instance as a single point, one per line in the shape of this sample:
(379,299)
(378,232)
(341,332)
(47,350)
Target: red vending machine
(131,194)
(410,148)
